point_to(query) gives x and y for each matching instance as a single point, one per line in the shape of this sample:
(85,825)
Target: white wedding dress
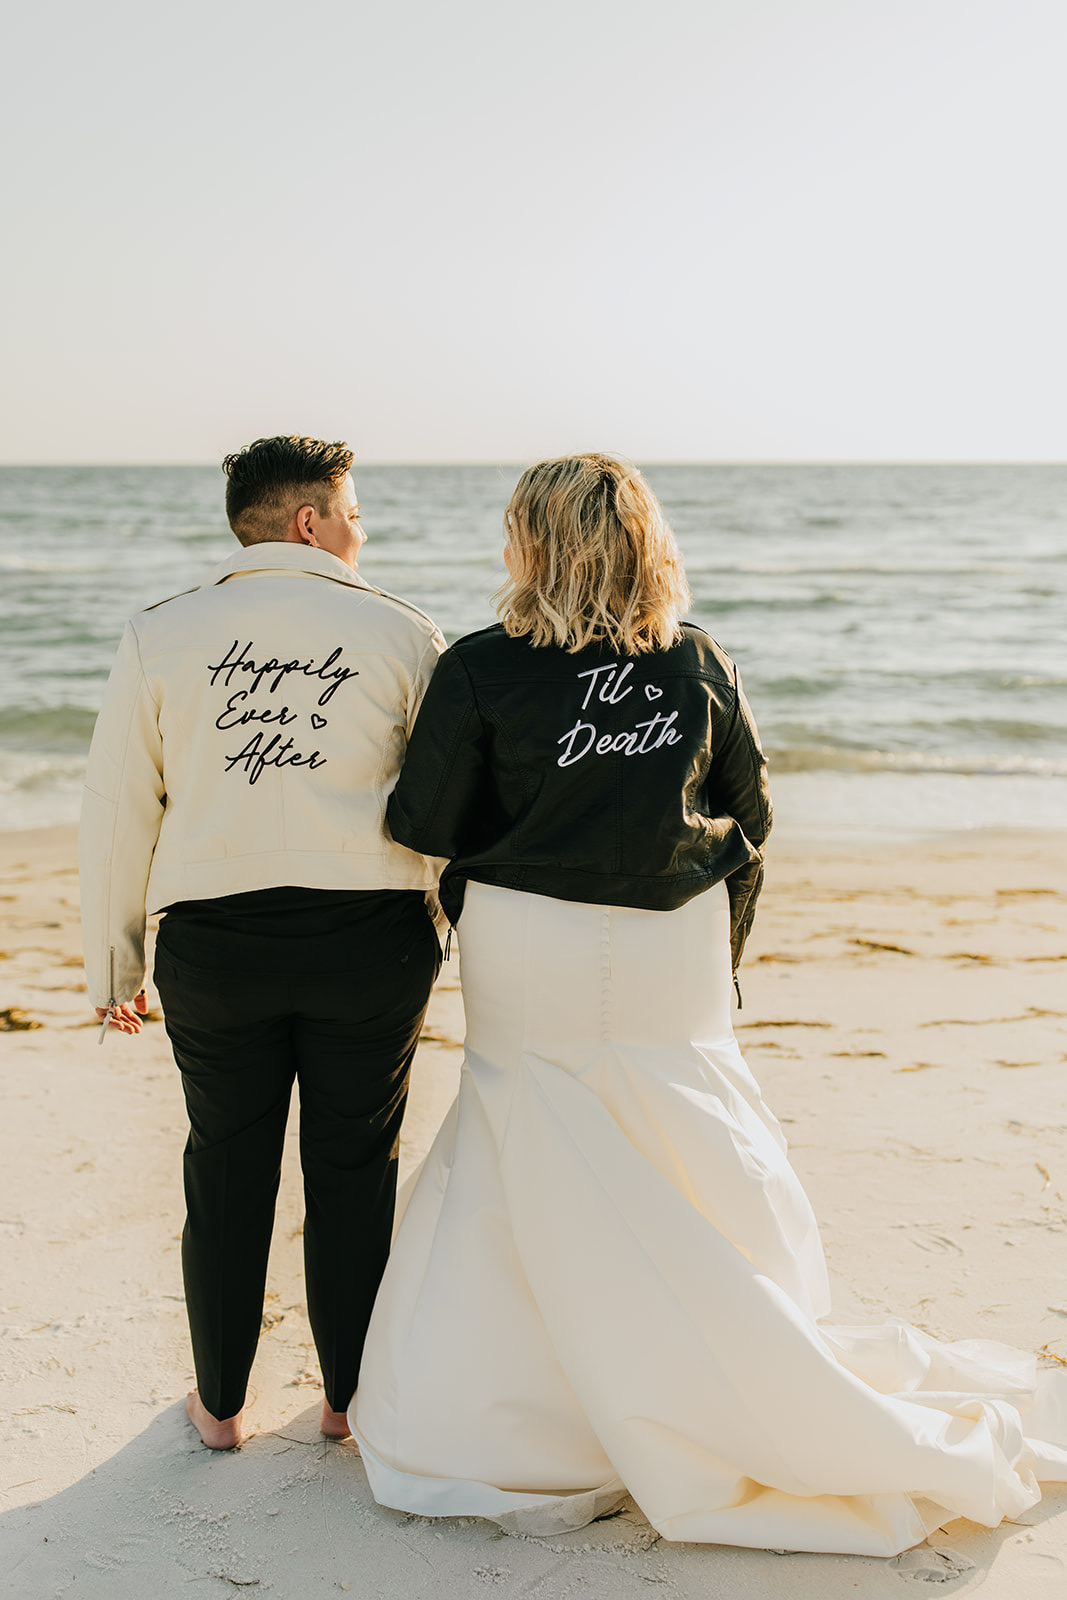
(608,1280)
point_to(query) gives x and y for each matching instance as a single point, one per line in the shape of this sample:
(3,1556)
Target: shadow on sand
(290,1516)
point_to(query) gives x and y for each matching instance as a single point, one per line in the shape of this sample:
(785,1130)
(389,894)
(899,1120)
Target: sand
(905,1008)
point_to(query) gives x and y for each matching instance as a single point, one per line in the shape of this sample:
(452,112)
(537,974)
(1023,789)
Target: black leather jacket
(634,781)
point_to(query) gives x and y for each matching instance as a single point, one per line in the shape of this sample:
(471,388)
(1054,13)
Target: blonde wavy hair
(591,559)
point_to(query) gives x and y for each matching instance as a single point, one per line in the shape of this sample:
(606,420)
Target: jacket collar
(276,556)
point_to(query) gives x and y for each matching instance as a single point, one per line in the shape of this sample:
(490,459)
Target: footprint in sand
(1035,1564)
(936,1244)
(875,944)
(929,1565)
(1011,894)
(14,1020)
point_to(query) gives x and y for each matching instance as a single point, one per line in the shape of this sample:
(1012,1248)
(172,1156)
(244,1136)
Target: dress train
(608,1280)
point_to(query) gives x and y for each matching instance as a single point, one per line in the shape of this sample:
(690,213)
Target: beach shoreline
(905,1014)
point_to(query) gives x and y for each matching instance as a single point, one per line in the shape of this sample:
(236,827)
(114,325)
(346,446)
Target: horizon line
(659,461)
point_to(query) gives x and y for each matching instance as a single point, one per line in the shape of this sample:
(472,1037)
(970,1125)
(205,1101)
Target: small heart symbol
(317,722)
(652,693)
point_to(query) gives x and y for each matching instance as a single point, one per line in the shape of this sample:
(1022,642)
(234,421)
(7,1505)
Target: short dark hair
(270,479)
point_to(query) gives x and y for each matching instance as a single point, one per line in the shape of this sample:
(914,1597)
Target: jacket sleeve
(445,772)
(122,809)
(737,787)
(423,673)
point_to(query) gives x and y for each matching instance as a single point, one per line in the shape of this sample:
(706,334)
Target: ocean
(901,629)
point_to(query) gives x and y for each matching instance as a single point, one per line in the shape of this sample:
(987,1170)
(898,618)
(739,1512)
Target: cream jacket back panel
(251,733)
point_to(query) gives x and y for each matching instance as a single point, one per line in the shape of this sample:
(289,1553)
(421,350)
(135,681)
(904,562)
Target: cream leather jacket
(250,736)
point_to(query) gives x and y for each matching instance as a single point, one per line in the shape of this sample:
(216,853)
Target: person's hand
(126,1018)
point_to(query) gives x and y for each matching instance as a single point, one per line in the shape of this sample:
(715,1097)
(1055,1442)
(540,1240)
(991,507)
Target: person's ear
(304,518)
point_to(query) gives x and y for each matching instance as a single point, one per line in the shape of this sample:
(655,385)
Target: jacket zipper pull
(111,995)
(448,942)
(737,988)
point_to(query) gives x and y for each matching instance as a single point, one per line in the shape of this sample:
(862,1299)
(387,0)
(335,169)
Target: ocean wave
(46,728)
(38,791)
(150,559)
(855,569)
(1009,729)
(719,602)
(831,758)
(49,566)
(922,684)
(39,794)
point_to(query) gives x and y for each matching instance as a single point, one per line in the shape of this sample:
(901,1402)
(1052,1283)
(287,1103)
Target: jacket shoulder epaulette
(169,598)
(710,646)
(481,633)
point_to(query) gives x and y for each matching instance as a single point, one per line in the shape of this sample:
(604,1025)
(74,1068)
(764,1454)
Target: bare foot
(334,1423)
(224,1435)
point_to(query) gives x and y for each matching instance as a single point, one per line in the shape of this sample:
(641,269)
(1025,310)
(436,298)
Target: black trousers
(258,991)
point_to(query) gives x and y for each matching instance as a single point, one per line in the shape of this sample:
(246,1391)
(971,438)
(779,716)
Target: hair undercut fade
(269,480)
(592,559)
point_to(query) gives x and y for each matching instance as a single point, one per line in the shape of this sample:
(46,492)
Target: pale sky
(482,230)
